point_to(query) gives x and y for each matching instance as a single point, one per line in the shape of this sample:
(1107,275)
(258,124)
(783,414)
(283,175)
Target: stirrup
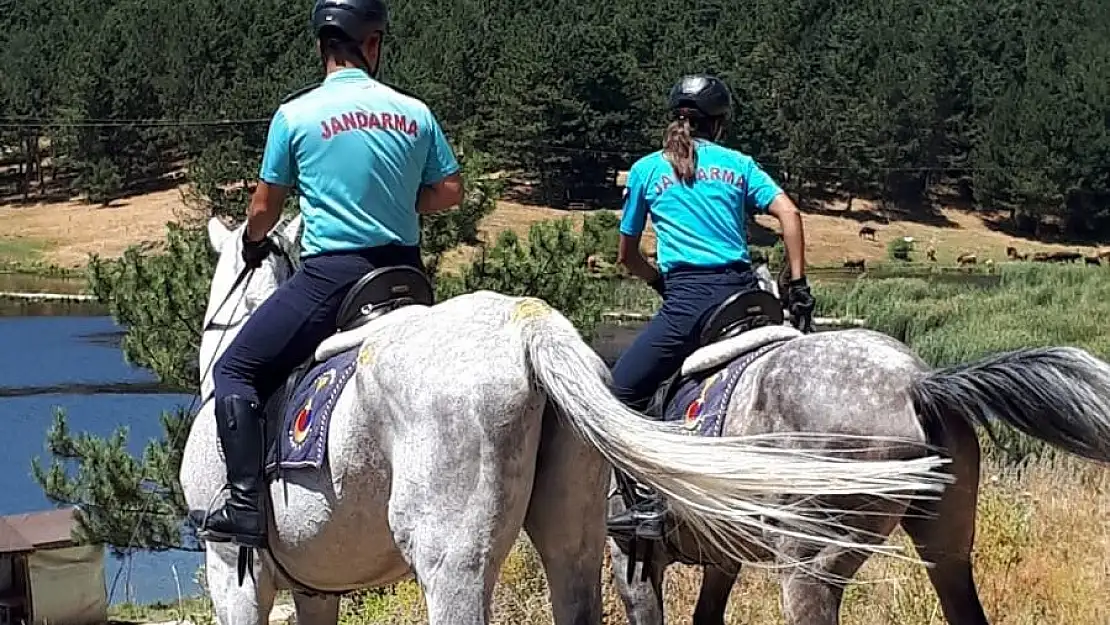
(644,521)
(644,516)
(247,540)
(255,541)
(643,525)
(247,544)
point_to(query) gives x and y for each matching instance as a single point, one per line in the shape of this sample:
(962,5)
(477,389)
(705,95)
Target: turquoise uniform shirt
(702,225)
(359,152)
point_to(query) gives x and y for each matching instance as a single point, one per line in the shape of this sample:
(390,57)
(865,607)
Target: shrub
(899,249)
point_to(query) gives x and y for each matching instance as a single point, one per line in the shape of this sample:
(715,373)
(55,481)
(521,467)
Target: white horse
(462,423)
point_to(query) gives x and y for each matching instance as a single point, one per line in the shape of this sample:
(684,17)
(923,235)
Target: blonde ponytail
(678,149)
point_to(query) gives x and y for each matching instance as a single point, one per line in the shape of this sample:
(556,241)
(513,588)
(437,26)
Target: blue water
(50,351)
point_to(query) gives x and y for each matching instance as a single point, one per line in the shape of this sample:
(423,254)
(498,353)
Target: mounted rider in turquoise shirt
(699,196)
(367,161)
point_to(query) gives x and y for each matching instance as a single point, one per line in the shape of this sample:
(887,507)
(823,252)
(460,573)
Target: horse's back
(844,382)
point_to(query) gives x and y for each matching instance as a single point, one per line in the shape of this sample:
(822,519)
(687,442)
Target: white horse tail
(731,490)
(1060,395)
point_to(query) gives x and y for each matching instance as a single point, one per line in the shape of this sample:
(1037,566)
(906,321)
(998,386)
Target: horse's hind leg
(248,604)
(809,600)
(566,521)
(457,505)
(812,595)
(716,586)
(314,610)
(945,534)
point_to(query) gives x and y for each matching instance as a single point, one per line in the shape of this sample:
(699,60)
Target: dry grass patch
(68,232)
(831,239)
(518,218)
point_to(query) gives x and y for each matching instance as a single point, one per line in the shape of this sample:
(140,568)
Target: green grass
(635,296)
(951,322)
(26,256)
(195,609)
(16,250)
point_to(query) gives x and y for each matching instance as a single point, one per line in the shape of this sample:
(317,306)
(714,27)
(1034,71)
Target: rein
(223,328)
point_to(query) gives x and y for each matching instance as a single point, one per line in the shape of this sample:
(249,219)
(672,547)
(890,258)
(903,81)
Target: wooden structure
(45,577)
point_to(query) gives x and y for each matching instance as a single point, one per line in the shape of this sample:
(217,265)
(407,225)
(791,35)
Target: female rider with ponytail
(699,195)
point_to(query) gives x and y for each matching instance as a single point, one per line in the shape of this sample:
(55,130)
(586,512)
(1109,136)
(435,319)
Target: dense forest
(997,105)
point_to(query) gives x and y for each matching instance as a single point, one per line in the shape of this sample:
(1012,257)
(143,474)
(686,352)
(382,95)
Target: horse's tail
(1060,395)
(731,490)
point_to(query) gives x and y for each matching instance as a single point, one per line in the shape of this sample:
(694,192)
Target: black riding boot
(240,520)
(645,518)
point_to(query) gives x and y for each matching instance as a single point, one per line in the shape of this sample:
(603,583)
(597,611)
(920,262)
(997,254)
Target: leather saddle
(740,313)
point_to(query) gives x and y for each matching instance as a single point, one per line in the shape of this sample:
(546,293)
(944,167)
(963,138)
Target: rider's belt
(738,266)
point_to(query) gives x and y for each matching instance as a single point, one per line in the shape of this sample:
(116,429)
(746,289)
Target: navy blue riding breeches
(690,296)
(286,328)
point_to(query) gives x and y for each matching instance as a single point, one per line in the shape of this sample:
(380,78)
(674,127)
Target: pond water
(73,362)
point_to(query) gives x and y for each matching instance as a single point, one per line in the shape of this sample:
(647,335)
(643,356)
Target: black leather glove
(800,302)
(254,252)
(657,285)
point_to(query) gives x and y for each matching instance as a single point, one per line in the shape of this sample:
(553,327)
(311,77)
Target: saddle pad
(303,437)
(716,354)
(701,402)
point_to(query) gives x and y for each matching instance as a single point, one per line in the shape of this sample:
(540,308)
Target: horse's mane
(292,247)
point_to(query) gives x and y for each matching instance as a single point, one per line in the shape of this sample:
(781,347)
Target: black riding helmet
(356,19)
(704,95)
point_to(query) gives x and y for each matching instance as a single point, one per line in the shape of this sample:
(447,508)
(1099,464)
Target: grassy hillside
(64,233)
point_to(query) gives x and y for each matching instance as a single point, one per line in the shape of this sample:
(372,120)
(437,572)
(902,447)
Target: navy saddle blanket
(700,404)
(303,417)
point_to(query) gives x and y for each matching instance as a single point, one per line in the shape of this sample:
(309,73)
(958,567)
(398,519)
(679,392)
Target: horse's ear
(292,229)
(218,233)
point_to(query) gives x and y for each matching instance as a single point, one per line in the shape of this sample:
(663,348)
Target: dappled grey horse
(766,377)
(422,438)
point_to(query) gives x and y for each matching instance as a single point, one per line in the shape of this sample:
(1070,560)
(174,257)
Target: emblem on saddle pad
(299,432)
(694,414)
(302,423)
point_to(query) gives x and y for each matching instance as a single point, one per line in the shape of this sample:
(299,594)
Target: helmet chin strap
(378,65)
(364,64)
